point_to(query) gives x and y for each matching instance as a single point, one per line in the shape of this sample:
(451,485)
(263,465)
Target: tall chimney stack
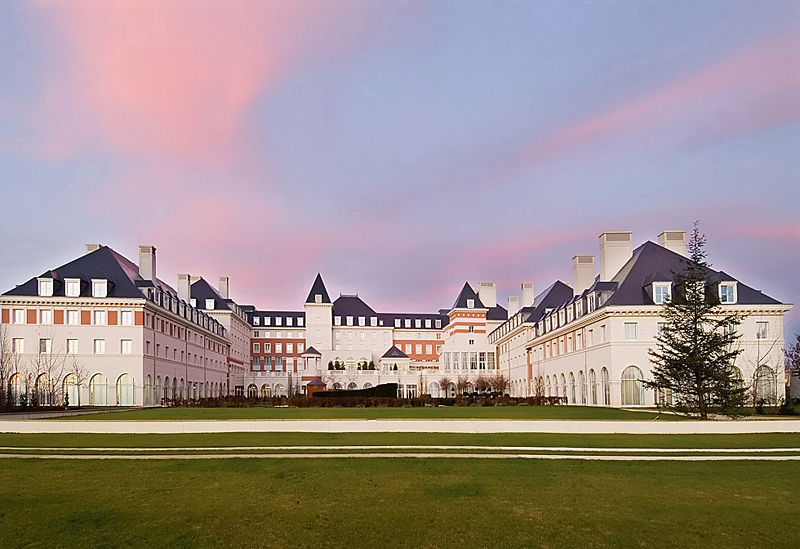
(513,305)
(224,287)
(616,248)
(487,293)
(184,287)
(582,273)
(147,262)
(92,248)
(527,294)
(673,240)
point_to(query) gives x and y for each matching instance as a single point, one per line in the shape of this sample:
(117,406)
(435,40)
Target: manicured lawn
(767,440)
(494,412)
(397,503)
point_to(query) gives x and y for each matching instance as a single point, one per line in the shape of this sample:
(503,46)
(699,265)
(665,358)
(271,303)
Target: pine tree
(697,345)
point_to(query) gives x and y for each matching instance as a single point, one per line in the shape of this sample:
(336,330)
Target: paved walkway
(402,426)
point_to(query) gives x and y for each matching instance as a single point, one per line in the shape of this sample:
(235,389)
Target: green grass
(396,503)
(494,412)
(766,440)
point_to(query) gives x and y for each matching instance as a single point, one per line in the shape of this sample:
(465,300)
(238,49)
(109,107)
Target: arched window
(352,386)
(605,386)
(433,389)
(280,390)
(572,399)
(157,391)
(167,388)
(582,386)
(181,394)
(18,388)
(252,391)
(765,386)
(126,395)
(563,386)
(45,390)
(72,390)
(175,387)
(367,385)
(593,387)
(547,387)
(266,391)
(337,386)
(148,390)
(98,390)
(632,387)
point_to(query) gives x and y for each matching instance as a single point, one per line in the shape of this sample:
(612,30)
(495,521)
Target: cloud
(753,89)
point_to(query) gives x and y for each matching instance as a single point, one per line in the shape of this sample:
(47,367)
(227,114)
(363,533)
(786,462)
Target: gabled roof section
(467,293)
(352,305)
(498,312)
(311,351)
(394,352)
(552,297)
(651,261)
(201,290)
(103,263)
(318,288)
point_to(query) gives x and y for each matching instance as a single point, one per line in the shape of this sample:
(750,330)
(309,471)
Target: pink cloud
(749,91)
(170,79)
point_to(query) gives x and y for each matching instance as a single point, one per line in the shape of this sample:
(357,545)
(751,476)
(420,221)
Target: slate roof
(651,260)
(352,305)
(318,288)
(394,352)
(465,294)
(103,263)
(311,351)
(201,290)
(267,319)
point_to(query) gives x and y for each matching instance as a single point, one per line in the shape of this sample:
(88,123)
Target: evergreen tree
(696,347)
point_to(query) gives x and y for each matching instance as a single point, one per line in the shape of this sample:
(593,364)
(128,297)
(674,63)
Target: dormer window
(317,298)
(727,292)
(427,322)
(99,288)
(470,304)
(349,320)
(209,304)
(408,323)
(288,321)
(278,321)
(590,303)
(362,321)
(46,287)
(396,322)
(72,287)
(256,321)
(373,321)
(662,292)
(417,323)
(438,323)
(193,302)
(337,321)
(299,320)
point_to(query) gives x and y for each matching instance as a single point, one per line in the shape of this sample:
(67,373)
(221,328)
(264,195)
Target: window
(472,342)
(727,292)
(256,321)
(428,349)
(126,318)
(762,330)
(470,304)
(45,316)
(256,347)
(279,347)
(427,322)
(373,321)
(396,322)
(18,345)
(44,346)
(362,321)
(288,321)
(19,316)
(72,287)
(126,346)
(99,288)
(99,346)
(418,349)
(300,321)
(72,346)
(267,347)
(471,329)
(418,323)
(209,304)
(438,323)
(99,318)
(289,347)
(662,292)
(337,321)
(349,320)
(631,330)
(407,323)
(408,348)
(46,287)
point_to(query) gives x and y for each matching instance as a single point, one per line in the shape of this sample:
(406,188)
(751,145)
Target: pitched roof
(318,288)
(552,297)
(201,291)
(467,293)
(394,352)
(103,263)
(651,262)
(352,305)
(311,351)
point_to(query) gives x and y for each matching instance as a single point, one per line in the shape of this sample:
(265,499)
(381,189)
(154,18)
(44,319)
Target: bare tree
(482,383)
(538,388)
(499,383)
(461,384)
(792,354)
(81,376)
(444,384)
(11,365)
(47,370)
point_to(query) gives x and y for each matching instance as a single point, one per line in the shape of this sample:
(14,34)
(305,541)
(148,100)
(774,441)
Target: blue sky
(399,148)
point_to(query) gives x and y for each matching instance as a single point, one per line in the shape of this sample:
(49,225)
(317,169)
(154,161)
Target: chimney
(147,262)
(674,241)
(184,287)
(92,248)
(193,279)
(582,273)
(487,293)
(616,248)
(527,294)
(223,287)
(513,305)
